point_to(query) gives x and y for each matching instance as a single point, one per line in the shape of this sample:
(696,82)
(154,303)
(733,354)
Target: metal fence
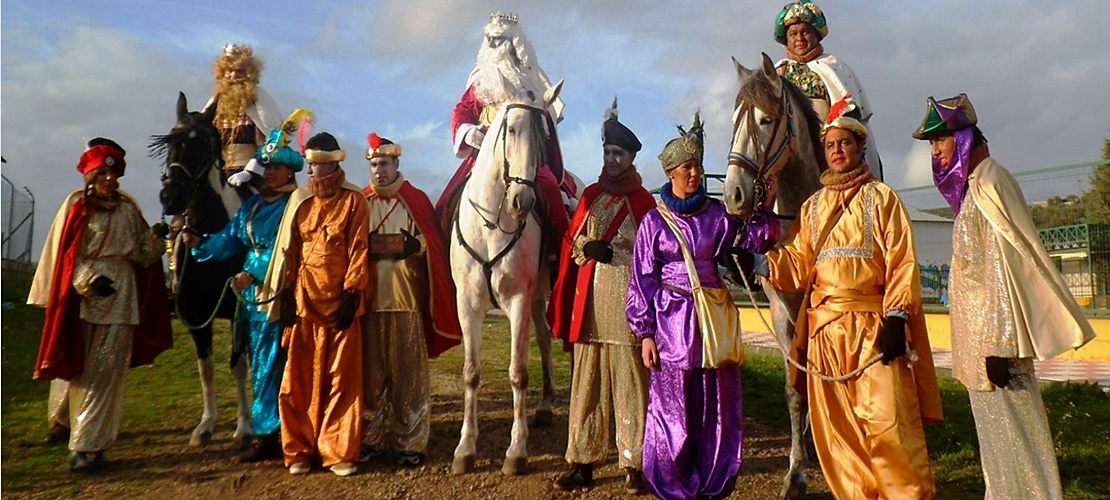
(18,222)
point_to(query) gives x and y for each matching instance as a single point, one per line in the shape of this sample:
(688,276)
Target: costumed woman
(100,279)
(693,430)
(252,232)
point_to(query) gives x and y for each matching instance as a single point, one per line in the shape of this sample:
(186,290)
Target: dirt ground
(162,465)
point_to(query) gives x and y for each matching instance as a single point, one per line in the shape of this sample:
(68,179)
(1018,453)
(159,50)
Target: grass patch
(164,403)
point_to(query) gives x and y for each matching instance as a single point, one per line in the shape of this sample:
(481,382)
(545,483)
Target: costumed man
(321,271)
(100,279)
(252,232)
(244,113)
(507,69)
(587,308)
(824,78)
(1009,304)
(411,310)
(852,252)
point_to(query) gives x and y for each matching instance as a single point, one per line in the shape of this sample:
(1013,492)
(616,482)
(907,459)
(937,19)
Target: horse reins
(536,114)
(761,170)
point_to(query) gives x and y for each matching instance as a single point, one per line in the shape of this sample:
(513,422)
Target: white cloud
(1035,72)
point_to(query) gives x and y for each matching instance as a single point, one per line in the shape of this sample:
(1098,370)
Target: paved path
(1053,370)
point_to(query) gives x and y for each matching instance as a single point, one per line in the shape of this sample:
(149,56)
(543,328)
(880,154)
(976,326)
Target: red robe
(440,318)
(572,286)
(62,351)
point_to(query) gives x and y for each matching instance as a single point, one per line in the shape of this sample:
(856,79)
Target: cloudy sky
(1037,72)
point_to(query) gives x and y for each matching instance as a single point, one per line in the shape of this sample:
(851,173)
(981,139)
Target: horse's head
(190,149)
(519,146)
(764,137)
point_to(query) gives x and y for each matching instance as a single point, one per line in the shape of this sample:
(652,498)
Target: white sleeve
(462,149)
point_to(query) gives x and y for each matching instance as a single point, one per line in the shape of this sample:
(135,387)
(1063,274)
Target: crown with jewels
(503,17)
(235,50)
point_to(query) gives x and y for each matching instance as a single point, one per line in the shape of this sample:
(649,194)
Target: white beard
(495,63)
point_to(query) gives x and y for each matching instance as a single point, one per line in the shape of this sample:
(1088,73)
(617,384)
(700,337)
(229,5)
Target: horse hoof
(794,488)
(514,466)
(201,438)
(242,442)
(463,464)
(543,418)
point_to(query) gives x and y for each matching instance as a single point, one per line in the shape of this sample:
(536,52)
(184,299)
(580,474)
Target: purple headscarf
(952,181)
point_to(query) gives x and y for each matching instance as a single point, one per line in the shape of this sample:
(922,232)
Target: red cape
(62,351)
(441,319)
(572,286)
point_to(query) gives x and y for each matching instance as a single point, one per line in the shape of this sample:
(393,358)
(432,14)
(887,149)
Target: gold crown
(503,17)
(235,50)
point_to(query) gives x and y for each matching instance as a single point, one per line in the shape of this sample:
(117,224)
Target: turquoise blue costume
(253,230)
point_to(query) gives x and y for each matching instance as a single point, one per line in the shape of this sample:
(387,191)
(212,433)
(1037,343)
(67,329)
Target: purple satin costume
(693,432)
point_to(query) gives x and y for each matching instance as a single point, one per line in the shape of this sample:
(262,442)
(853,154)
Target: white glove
(250,170)
(240,178)
(474,138)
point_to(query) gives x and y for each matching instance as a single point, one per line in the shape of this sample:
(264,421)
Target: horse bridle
(193,181)
(764,185)
(507,179)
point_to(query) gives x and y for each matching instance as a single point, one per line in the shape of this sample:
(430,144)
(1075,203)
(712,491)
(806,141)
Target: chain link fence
(18,221)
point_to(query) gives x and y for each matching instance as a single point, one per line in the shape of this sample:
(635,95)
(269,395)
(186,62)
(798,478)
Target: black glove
(161,230)
(345,315)
(288,308)
(412,245)
(998,371)
(892,339)
(598,250)
(102,286)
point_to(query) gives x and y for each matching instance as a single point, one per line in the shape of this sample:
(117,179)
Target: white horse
(495,262)
(776,161)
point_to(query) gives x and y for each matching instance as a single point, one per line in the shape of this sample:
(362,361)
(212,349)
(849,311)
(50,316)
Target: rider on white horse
(507,68)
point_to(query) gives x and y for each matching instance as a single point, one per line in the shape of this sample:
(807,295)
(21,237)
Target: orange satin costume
(325,242)
(868,430)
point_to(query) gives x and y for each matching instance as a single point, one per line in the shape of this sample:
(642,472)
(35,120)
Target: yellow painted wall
(940,334)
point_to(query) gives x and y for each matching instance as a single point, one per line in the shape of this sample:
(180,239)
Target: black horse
(195,192)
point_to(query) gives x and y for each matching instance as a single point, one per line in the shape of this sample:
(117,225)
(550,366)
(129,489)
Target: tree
(1098,198)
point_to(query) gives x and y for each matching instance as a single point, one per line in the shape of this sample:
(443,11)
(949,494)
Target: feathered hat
(687,146)
(614,132)
(380,146)
(276,150)
(837,118)
(801,11)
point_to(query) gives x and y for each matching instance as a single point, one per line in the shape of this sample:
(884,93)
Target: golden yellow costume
(868,429)
(321,253)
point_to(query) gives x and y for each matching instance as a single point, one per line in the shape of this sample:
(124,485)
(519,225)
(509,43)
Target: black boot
(97,460)
(578,476)
(266,447)
(634,482)
(59,434)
